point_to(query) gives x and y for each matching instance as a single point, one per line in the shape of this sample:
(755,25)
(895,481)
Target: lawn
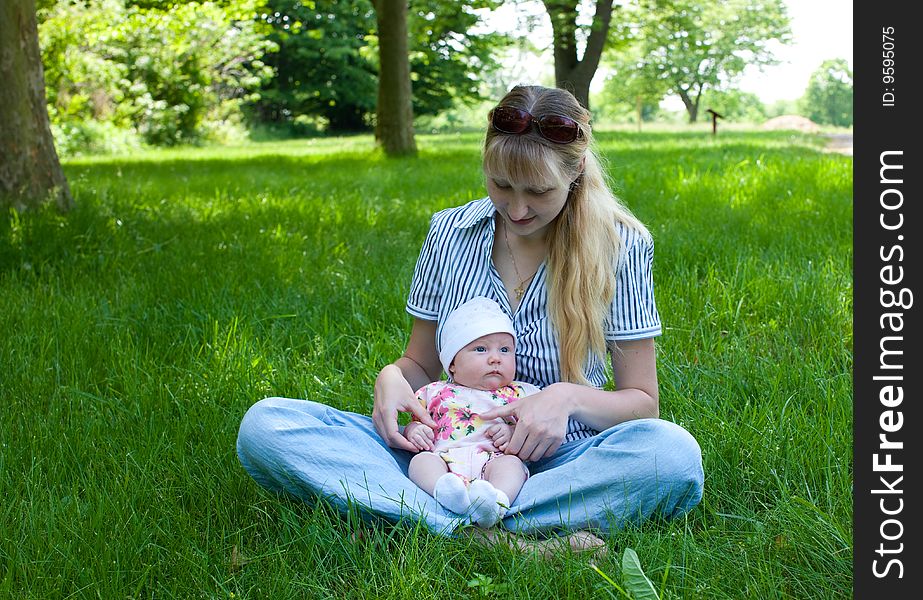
(189,283)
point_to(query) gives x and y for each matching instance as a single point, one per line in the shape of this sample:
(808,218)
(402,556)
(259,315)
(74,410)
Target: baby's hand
(500,434)
(419,435)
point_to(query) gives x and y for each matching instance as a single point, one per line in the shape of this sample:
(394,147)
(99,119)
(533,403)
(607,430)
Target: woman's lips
(522,222)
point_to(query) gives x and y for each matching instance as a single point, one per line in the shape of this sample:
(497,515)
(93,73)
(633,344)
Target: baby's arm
(418,434)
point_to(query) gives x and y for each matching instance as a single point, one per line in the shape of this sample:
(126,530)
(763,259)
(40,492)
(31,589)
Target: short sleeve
(425,288)
(427,392)
(633,314)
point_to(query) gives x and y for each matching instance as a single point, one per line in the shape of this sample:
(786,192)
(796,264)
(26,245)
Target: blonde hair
(584,246)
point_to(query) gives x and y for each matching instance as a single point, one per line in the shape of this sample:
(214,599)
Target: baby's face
(487,363)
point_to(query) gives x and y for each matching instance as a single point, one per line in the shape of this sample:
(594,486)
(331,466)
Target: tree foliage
(447,60)
(322,72)
(828,100)
(735,105)
(689,47)
(160,70)
(627,84)
(328,64)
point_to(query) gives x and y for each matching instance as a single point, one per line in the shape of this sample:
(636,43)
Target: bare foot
(578,541)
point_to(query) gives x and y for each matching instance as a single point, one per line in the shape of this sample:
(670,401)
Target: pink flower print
(465,417)
(446,393)
(443,426)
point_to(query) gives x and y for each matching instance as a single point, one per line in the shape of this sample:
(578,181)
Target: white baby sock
(450,491)
(488,504)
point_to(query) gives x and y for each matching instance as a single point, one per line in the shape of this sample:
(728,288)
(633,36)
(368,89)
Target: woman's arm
(634,370)
(395,385)
(420,363)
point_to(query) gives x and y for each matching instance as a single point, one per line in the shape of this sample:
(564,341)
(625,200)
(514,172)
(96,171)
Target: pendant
(519,291)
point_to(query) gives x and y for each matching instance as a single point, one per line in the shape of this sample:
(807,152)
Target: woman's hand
(541,422)
(393,395)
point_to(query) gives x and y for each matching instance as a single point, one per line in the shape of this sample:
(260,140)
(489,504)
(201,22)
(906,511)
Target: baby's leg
(431,473)
(425,469)
(507,473)
(492,495)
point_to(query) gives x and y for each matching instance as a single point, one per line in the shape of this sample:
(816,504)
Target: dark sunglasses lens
(510,120)
(558,128)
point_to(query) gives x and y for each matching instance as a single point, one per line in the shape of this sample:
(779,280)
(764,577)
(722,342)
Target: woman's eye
(502,185)
(539,192)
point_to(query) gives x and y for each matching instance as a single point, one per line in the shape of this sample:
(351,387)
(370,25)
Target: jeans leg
(625,474)
(311,450)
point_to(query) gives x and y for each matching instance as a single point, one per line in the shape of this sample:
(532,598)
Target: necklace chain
(520,289)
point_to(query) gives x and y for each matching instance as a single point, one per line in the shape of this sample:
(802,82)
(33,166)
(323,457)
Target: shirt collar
(475,212)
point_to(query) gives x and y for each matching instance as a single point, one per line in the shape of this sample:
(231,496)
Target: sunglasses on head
(554,128)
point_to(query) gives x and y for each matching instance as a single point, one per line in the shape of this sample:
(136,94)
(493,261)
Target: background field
(187,284)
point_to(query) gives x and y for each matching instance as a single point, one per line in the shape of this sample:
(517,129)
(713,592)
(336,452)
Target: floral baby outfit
(461,438)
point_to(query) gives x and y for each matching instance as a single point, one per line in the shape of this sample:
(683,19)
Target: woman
(572,267)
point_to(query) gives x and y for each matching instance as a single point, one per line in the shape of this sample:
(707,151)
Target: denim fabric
(625,474)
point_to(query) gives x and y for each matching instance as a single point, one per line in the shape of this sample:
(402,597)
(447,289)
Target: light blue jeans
(626,474)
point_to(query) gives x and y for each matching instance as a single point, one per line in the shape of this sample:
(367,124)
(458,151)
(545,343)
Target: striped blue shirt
(455,265)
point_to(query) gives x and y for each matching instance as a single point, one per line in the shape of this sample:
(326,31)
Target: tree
(30,172)
(327,63)
(736,105)
(570,71)
(394,125)
(828,100)
(321,67)
(161,69)
(626,83)
(692,47)
(448,63)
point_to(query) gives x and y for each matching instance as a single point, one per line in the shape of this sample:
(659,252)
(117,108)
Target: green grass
(187,284)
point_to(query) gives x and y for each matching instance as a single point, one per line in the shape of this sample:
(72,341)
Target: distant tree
(448,62)
(692,47)
(321,67)
(327,63)
(162,68)
(781,107)
(571,71)
(735,105)
(828,99)
(30,172)
(394,122)
(626,82)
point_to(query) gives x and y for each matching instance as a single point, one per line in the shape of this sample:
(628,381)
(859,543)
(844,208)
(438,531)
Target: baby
(462,463)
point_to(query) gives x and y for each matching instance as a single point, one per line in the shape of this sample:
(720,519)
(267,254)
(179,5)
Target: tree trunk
(394,123)
(639,110)
(30,173)
(692,106)
(570,72)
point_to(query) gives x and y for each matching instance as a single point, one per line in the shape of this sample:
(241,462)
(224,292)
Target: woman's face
(527,210)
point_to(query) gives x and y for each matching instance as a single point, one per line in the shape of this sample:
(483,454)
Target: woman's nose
(517,210)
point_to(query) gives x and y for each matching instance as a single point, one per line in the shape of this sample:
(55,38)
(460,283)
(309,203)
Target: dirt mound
(794,122)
